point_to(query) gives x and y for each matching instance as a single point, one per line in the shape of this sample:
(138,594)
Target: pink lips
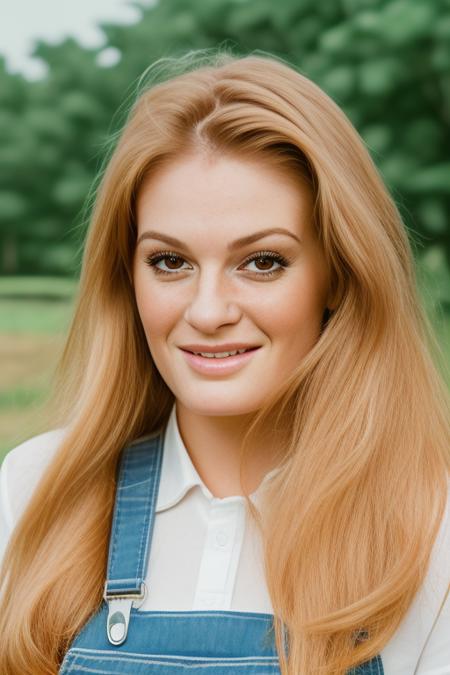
(223,366)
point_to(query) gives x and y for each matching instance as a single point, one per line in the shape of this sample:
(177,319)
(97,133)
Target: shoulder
(21,470)
(440,557)
(438,575)
(422,637)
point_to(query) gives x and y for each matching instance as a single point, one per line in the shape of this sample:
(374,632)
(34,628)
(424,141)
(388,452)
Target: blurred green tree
(385,62)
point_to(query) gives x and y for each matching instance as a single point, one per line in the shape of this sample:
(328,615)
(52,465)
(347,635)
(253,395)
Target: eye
(267,258)
(153,259)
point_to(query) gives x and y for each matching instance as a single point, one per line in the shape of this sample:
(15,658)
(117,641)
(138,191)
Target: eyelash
(154,258)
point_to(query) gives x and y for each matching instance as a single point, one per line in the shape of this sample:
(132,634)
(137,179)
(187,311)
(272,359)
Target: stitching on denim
(148,514)
(117,512)
(91,670)
(197,613)
(156,482)
(178,661)
(131,499)
(84,669)
(72,665)
(150,497)
(380,667)
(133,485)
(137,656)
(65,663)
(147,532)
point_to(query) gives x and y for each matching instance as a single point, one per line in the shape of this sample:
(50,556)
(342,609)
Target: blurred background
(69,70)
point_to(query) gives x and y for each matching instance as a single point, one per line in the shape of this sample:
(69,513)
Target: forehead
(222,197)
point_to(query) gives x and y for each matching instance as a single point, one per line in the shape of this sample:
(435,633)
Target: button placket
(221,538)
(221,553)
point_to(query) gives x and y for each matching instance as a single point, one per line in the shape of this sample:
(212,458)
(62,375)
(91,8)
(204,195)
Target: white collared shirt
(206,552)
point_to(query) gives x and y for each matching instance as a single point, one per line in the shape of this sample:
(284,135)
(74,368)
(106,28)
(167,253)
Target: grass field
(34,318)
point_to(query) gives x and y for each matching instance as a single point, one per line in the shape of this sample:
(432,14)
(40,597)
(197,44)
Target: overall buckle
(119,608)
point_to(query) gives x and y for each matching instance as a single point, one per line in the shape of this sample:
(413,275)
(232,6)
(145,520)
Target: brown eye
(264,261)
(173,260)
(164,256)
(267,263)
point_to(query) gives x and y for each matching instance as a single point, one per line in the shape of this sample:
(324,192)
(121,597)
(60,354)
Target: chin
(220,406)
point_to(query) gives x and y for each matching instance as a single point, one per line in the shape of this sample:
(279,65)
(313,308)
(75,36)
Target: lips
(218,366)
(220,351)
(226,347)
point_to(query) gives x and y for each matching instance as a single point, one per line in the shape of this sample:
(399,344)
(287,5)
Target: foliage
(385,62)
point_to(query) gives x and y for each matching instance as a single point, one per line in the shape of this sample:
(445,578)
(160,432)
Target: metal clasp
(119,608)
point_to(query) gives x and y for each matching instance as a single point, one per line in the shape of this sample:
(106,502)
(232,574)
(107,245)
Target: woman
(132,549)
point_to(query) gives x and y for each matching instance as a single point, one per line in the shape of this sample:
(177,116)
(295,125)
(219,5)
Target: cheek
(297,315)
(153,308)
(296,318)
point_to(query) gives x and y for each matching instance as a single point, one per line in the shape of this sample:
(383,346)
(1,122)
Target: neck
(214,443)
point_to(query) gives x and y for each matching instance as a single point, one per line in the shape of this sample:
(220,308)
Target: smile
(220,355)
(219,363)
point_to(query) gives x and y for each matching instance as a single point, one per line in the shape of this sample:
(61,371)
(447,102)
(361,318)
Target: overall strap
(131,532)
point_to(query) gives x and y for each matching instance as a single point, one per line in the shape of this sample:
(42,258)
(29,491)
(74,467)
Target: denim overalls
(120,639)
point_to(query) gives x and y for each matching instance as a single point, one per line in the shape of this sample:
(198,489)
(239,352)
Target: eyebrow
(232,246)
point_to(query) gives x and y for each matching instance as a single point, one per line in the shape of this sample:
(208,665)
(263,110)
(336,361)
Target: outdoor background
(385,62)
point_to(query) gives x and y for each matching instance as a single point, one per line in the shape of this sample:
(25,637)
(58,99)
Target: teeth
(219,355)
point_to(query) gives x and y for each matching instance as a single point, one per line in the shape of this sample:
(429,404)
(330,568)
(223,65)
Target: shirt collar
(179,475)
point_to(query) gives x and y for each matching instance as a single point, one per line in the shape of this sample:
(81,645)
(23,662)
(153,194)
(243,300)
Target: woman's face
(208,289)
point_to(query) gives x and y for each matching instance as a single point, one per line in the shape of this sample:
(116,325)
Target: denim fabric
(166,642)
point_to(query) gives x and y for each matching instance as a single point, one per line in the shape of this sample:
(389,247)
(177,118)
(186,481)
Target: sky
(22,21)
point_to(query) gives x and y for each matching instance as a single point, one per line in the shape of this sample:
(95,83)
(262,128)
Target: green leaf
(431,179)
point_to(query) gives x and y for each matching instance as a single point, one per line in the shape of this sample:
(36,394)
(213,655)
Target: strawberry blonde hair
(350,520)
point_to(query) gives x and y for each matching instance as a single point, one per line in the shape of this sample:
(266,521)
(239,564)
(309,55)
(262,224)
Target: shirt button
(221,538)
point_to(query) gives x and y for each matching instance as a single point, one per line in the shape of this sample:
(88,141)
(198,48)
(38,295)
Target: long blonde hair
(351,518)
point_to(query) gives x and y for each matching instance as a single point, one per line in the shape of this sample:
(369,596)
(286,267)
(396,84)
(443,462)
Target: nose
(211,302)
